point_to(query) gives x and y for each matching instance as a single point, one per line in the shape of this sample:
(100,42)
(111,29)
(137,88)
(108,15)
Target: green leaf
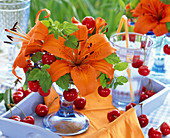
(46,23)
(37,57)
(25,86)
(168,26)
(103,80)
(69,28)
(46,66)
(113,59)
(56,23)
(45,81)
(122,79)
(7,98)
(1,97)
(64,81)
(51,21)
(72,42)
(35,74)
(121,66)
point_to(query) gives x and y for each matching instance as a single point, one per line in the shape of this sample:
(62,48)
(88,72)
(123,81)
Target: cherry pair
(143,119)
(27,119)
(155,133)
(20,94)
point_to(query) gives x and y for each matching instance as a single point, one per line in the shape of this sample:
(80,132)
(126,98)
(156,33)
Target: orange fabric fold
(96,110)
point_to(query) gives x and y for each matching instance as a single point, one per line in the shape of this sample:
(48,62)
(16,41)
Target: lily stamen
(21,30)
(16,34)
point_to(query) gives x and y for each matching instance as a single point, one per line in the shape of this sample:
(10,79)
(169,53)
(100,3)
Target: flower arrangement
(60,52)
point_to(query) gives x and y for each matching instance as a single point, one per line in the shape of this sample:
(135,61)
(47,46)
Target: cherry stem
(52,101)
(144,56)
(20,110)
(10,110)
(160,125)
(150,83)
(141,107)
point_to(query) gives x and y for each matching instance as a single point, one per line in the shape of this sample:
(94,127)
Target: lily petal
(100,47)
(84,78)
(59,68)
(144,24)
(160,29)
(104,67)
(57,47)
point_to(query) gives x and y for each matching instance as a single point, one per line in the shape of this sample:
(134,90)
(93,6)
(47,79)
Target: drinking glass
(130,91)
(11,11)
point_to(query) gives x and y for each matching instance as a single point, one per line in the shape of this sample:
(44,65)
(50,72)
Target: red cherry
(41,110)
(26,92)
(28,119)
(104,92)
(143,120)
(144,89)
(143,70)
(18,96)
(47,58)
(154,133)
(132,37)
(80,103)
(42,93)
(136,62)
(70,95)
(130,105)
(143,44)
(16,118)
(112,115)
(143,96)
(150,93)
(29,66)
(166,49)
(89,22)
(33,85)
(165,129)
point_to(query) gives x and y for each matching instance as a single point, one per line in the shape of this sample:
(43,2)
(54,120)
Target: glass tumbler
(11,11)
(135,56)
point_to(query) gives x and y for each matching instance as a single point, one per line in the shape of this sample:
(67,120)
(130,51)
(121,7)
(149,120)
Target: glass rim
(117,34)
(14,3)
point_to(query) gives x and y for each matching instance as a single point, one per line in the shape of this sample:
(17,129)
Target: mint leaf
(113,59)
(46,66)
(122,79)
(1,97)
(35,74)
(69,28)
(64,81)
(121,66)
(72,42)
(46,23)
(103,80)
(45,81)
(37,57)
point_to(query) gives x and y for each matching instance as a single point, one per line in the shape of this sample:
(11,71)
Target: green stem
(10,110)
(144,56)
(20,110)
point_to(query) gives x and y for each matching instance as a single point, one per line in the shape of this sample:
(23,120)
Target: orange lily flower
(152,15)
(32,42)
(83,63)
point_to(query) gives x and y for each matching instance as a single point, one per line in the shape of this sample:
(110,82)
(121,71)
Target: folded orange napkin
(96,109)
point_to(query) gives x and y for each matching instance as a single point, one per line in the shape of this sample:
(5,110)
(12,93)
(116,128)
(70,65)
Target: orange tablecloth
(97,107)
